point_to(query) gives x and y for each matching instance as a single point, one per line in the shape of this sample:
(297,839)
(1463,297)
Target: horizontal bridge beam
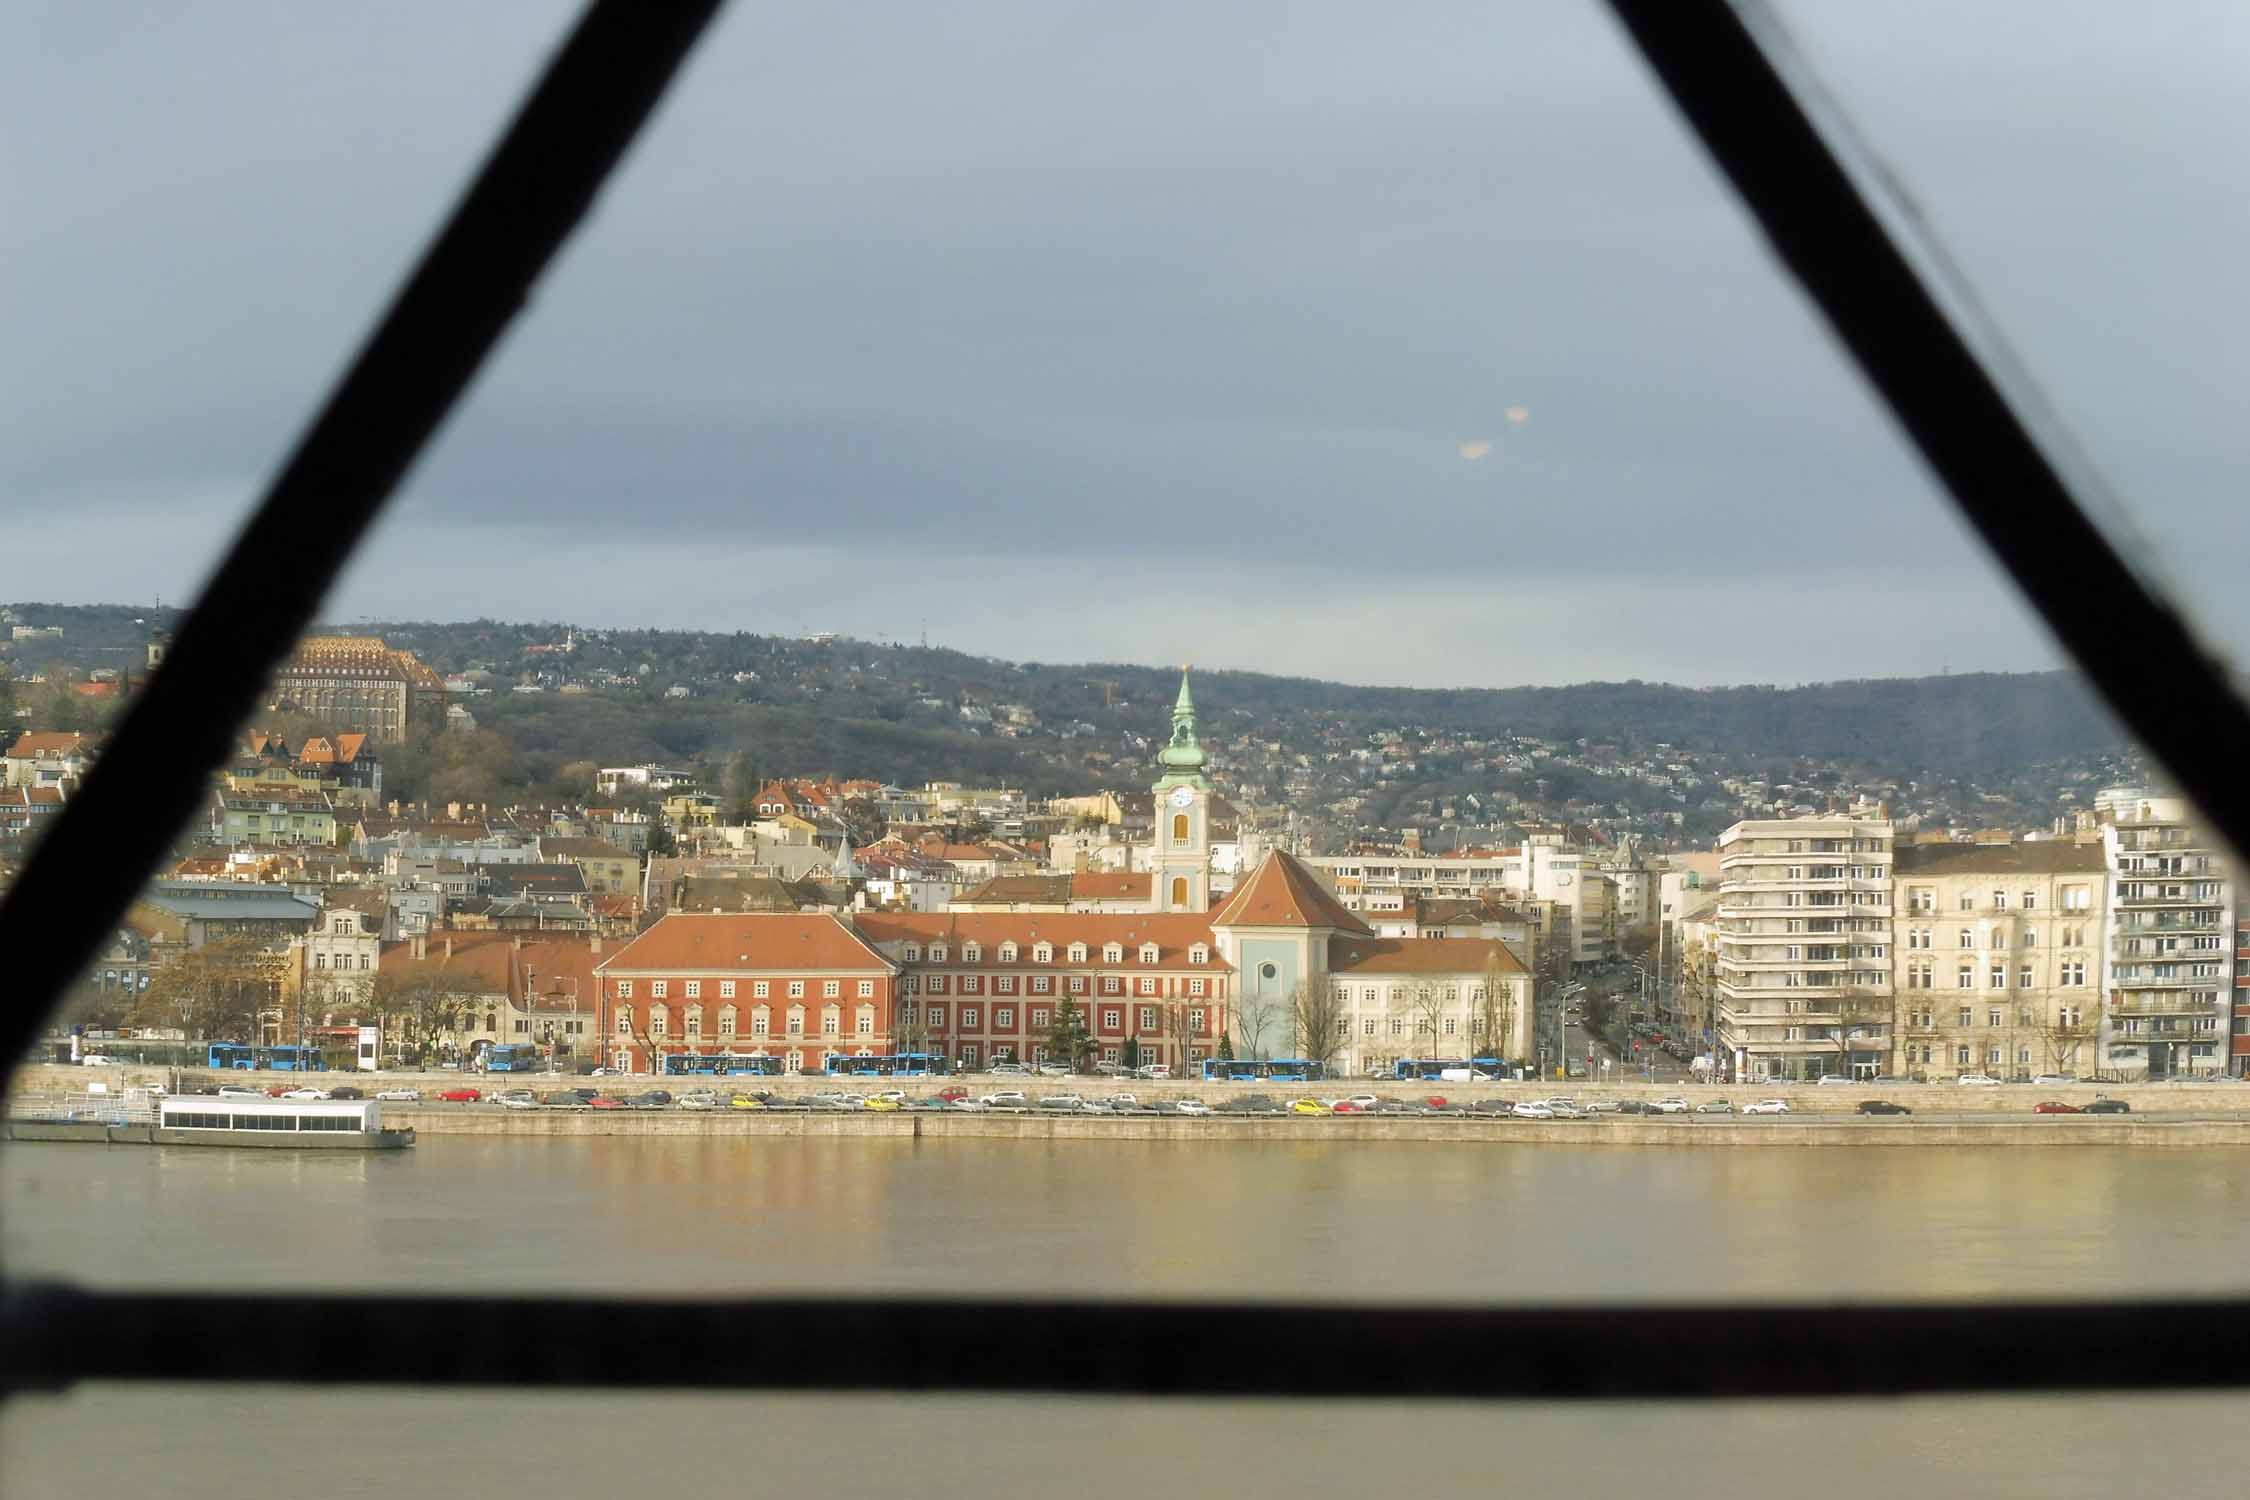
(52,1336)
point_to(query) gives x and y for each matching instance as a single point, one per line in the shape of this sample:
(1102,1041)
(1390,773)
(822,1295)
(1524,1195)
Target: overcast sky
(1407,343)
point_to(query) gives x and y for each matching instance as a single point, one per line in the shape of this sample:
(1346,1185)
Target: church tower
(1183,816)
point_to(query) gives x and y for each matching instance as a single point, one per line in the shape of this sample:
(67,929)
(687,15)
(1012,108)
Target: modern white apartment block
(2169,937)
(1542,867)
(1803,972)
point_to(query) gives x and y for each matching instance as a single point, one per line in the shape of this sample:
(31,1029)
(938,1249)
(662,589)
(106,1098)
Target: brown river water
(1412,1222)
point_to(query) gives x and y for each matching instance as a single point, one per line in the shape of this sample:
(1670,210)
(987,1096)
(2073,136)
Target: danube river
(1415,1221)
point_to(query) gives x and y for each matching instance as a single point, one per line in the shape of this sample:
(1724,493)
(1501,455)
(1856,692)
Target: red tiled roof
(1110,885)
(1172,932)
(37,742)
(1283,893)
(691,941)
(1373,955)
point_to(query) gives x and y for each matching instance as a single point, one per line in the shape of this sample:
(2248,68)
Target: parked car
(461,1095)
(561,1099)
(1191,1107)
(1715,1107)
(1836,1080)
(745,1101)
(1977,1080)
(1531,1109)
(605,1101)
(2052,1078)
(393,1096)
(306,1092)
(1063,1104)
(98,1060)
(1007,1099)
(346,1091)
(700,1099)
(1010,1070)
(2108,1107)
(658,1095)
(239,1091)
(1767,1107)
(951,1092)
(1308,1107)
(2055,1107)
(519,1103)
(1344,1107)
(505,1095)
(1882,1107)
(882,1101)
(1605,1107)
(1672,1106)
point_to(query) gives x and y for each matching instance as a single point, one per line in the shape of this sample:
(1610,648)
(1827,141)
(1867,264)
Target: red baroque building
(796,986)
(984,987)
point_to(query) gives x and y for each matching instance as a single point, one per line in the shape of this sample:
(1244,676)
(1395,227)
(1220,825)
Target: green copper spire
(1183,758)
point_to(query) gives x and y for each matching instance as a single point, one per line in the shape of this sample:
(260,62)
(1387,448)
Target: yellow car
(745,1101)
(879,1102)
(1308,1107)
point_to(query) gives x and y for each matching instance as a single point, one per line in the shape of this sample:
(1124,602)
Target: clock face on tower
(1183,796)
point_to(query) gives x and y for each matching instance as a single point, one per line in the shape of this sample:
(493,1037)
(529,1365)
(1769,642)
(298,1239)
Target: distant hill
(864,707)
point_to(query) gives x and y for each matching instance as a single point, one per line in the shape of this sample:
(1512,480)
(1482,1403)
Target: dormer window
(937,953)
(1007,953)
(1113,953)
(1199,954)
(1077,953)
(913,953)
(1148,953)
(971,952)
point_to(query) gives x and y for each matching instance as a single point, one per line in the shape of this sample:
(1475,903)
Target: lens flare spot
(1519,414)
(1471,452)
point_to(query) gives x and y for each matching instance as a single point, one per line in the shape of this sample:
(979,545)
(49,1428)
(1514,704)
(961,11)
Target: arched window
(761,1021)
(659,1018)
(1179,892)
(624,1020)
(831,1020)
(726,1020)
(796,1020)
(695,1021)
(1179,828)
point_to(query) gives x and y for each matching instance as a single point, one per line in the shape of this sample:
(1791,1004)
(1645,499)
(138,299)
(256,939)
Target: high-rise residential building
(1997,952)
(357,684)
(1803,973)
(2168,933)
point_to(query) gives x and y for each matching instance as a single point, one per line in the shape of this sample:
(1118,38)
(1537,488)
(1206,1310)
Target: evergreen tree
(1067,1040)
(1132,1053)
(1226,1047)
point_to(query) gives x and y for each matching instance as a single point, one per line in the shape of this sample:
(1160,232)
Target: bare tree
(1425,1003)
(1253,1018)
(1317,1008)
(1183,1034)
(1495,1012)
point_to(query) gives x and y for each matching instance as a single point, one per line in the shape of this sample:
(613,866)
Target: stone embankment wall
(2198,1099)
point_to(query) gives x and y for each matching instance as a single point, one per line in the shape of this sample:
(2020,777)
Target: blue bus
(895,1065)
(721,1065)
(1434,1069)
(243,1056)
(517,1057)
(1276,1070)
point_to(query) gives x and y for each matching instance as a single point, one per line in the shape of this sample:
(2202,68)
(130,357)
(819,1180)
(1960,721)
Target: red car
(1345,1107)
(605,1101)
(2055,1107)
(461,1096)
(951,1092)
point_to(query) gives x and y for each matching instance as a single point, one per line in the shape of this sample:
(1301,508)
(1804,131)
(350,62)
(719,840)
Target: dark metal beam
(2031,502)
(156,771)
(51,1336)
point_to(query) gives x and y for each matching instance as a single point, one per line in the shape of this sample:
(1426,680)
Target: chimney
(596,941)
(421,946)
(518,944)
(449,945)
